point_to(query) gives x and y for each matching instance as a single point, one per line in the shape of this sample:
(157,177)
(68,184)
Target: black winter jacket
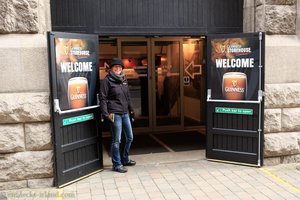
(114,96)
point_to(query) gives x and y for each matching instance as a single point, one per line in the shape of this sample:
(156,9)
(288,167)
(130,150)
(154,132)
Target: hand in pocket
(111,117)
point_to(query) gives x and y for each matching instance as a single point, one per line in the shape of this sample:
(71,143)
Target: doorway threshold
(162,148)
(161,158)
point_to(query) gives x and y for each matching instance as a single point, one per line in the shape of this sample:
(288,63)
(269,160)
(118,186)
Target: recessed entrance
(166,78)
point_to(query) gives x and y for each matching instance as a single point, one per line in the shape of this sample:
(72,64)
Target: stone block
(248,19)
(276,19)
(44,16)
(282,144)
(11,138)
(282,95)
(298,18)
(271,161)
(282,59)
(280,19)
(272,120)
(248,3)
(291,159)
(291,119)
(259,2)
(281,2)
(38,136)
(24,107)
(26,165)
(18,16)
(24,63)
(260,18)
(40,183)
(12,185)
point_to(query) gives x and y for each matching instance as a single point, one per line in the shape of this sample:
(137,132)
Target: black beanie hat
(116,61)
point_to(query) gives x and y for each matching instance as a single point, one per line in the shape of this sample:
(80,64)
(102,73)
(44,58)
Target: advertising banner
(76,63)
(234,68)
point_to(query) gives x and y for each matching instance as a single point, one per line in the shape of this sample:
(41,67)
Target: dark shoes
(120,169)
(130,163)
(123,169)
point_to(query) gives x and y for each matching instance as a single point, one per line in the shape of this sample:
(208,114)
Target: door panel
(79,151)
(135,56)
(235,103)
(73,66)
(233,137)
(194,82)
(167,83)
(153,69)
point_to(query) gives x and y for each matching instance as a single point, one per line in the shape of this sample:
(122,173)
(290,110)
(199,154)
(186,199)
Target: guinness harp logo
(223,48)
(234,83)
(66,49)
(78,89)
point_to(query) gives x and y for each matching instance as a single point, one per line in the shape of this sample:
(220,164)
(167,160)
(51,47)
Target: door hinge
(260,35)
(260,95)
(56,106)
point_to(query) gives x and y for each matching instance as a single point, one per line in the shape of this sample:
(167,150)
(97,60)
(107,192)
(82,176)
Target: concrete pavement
(176,175)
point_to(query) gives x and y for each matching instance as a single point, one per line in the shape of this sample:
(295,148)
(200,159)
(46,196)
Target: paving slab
(176,175)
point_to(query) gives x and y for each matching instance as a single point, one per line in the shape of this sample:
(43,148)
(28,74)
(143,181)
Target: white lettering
(235,63)
(219,63)
(76,67)
(241,90)
(78,96)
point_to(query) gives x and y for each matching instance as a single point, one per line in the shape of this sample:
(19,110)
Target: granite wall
(278,18)
(26,151)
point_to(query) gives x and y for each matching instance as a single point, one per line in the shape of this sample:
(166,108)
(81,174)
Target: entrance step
(166,142)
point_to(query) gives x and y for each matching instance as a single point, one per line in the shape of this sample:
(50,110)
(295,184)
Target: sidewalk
(184,175)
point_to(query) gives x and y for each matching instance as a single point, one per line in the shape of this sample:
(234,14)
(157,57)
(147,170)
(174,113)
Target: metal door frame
(151,81)
(179,127)
(150,103)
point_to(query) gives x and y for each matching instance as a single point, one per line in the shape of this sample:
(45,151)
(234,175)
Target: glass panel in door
(134,55)
(193,82)
(167,82)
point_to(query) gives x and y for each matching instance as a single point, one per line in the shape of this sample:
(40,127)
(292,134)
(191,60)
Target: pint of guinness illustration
(234,86)
(77,92)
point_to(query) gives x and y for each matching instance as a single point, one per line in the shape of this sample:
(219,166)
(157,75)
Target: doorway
(166,78)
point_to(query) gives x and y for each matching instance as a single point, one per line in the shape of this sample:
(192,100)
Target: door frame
(151,81)
(150,103)
(179,127)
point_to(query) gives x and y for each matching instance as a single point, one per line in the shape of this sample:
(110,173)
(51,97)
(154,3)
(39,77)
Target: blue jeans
(120,125)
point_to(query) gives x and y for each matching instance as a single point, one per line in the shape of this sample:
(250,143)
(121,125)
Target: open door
(74,72)
(235,102)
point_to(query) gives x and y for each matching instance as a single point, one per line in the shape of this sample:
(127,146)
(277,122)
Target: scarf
(115,77)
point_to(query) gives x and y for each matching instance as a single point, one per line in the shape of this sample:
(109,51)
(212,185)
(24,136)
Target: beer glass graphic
(234,86)
(77,92)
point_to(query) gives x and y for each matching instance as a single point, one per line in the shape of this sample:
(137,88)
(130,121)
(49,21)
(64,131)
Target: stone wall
(282,123)
(25,137)
(276,16)
(298,19)
(26,149)
(282,89)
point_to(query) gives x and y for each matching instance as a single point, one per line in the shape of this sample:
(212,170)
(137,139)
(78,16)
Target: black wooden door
(73,66)
(235,103)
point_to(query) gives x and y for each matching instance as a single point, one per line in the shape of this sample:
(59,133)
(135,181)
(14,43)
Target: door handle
(209,99)
(58,110)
